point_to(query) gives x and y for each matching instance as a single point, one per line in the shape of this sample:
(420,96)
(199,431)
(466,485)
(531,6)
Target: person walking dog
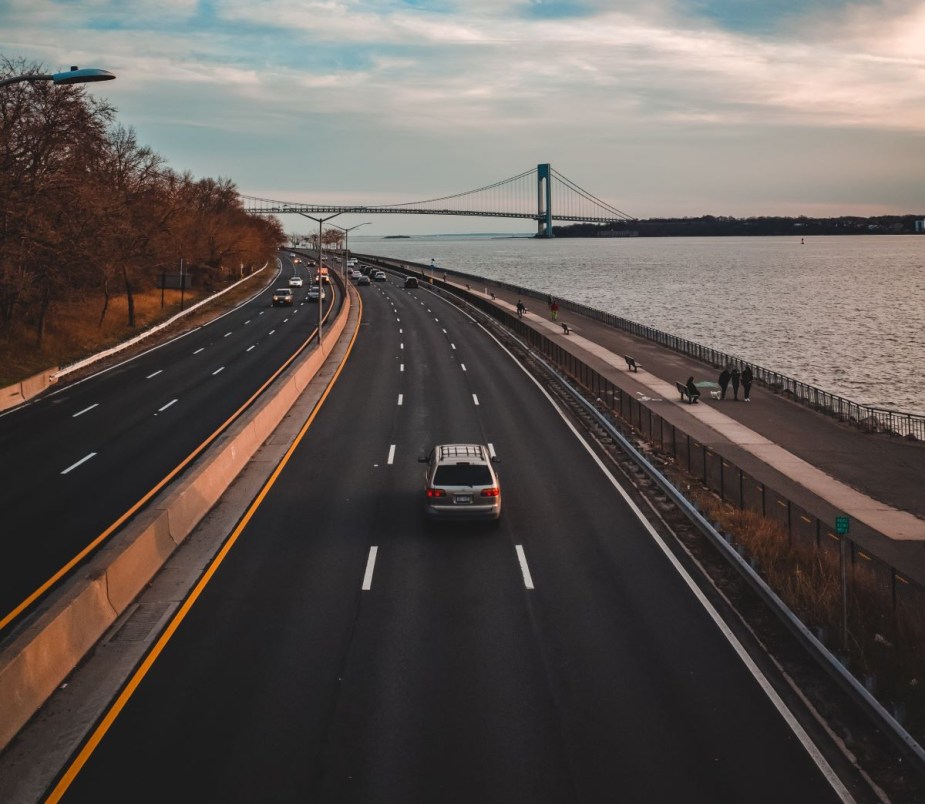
(724,378)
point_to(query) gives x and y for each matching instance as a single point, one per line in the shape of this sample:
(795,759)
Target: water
(845,314)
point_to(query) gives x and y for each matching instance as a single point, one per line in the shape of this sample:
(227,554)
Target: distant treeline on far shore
(765,226)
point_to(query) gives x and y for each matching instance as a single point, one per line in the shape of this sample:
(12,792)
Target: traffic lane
(608,605)
(103,461)
(379,731)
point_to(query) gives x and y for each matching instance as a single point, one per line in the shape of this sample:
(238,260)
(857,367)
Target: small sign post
(842,525)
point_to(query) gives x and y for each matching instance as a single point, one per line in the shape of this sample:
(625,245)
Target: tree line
(87,210)
(722,225)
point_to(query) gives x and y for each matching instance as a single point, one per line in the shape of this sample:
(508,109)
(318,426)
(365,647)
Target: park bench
(631,363)
(686,393)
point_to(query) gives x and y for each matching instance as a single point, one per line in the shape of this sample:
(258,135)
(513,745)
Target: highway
(78,460)
(342,649)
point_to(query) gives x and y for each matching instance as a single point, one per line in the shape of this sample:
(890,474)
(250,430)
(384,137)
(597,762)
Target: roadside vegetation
(886,642)
(99,237)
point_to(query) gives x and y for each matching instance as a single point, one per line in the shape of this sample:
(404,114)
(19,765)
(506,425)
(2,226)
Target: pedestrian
(735,384)
(554,310)
(549,300)
(747,383)
(693,390)
(724,378)
(521,308)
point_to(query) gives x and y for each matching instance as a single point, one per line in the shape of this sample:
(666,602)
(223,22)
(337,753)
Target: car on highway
(355,274)
(316,293)
(379,276)
(411,282)
(363,280)
(460,482)
(282,297)
(295,281)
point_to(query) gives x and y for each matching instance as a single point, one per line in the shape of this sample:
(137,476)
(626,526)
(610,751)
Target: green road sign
(841,525)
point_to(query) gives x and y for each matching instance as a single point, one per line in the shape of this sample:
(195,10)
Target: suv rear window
(462,475)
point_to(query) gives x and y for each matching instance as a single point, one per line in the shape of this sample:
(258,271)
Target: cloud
(641,102)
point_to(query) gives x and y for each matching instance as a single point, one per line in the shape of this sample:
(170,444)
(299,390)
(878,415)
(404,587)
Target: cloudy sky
(661,108)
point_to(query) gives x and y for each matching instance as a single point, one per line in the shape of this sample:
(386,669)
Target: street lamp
(73,76)
(346,240)
(320,288)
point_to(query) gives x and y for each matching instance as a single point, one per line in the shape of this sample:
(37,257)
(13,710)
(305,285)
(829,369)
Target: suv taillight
(436,493)
(492,492)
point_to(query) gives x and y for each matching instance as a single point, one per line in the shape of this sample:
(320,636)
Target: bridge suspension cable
(541,195)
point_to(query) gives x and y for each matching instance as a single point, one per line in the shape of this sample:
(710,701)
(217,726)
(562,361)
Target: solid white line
(799,732)
(81,412)
(370,565)
(391,453)
(475,399)
(528,579)
(171,402)
(401,398)
(75,465)
(218,371)
(155,374)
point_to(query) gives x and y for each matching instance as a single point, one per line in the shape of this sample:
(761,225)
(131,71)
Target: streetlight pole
(320,287)
(347,240)
(73,76)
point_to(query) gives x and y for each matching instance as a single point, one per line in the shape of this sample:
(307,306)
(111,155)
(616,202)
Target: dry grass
(886,647)
(74,331)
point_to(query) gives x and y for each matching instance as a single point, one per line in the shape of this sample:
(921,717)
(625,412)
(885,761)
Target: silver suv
(461,483)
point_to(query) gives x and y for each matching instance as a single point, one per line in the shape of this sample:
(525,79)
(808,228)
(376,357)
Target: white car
(295,281)
(355,274)
(316,293)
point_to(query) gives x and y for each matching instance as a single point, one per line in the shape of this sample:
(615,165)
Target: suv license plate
(463,499)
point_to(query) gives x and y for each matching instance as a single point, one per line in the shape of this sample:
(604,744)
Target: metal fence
(897,592)
(867,417)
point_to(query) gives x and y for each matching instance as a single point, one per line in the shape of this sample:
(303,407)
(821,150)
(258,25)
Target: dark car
(282,296)
(411,282)
(363,280)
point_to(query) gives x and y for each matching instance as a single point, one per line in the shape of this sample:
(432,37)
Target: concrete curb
(38,659)
(22,391)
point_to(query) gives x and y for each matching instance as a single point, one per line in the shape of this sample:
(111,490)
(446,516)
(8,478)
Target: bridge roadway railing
(896,591)
(867,417)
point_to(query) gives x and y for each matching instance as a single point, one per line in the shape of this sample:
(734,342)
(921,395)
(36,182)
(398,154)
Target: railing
(869,418)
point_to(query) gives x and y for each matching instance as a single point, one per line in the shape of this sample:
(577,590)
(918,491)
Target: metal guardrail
(870,418)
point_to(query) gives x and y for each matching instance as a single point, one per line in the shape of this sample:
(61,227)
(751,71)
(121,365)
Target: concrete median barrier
(40,657)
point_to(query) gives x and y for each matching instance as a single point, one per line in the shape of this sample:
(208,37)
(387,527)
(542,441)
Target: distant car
(363,280)
(379,276)
(411,282)
(282,297)
(316,293)
(295,281)
(460,482)
(355,274)
(351,262)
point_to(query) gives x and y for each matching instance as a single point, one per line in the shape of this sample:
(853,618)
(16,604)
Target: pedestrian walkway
(825,466)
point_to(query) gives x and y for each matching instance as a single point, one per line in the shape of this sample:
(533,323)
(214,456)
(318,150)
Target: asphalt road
(341,649)
(75,461)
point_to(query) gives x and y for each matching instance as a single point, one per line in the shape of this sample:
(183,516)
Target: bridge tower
(543,201)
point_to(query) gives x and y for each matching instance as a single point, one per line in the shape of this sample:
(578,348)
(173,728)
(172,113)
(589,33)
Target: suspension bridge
(542,195)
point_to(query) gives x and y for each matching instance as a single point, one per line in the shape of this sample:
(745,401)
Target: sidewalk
(825,466)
